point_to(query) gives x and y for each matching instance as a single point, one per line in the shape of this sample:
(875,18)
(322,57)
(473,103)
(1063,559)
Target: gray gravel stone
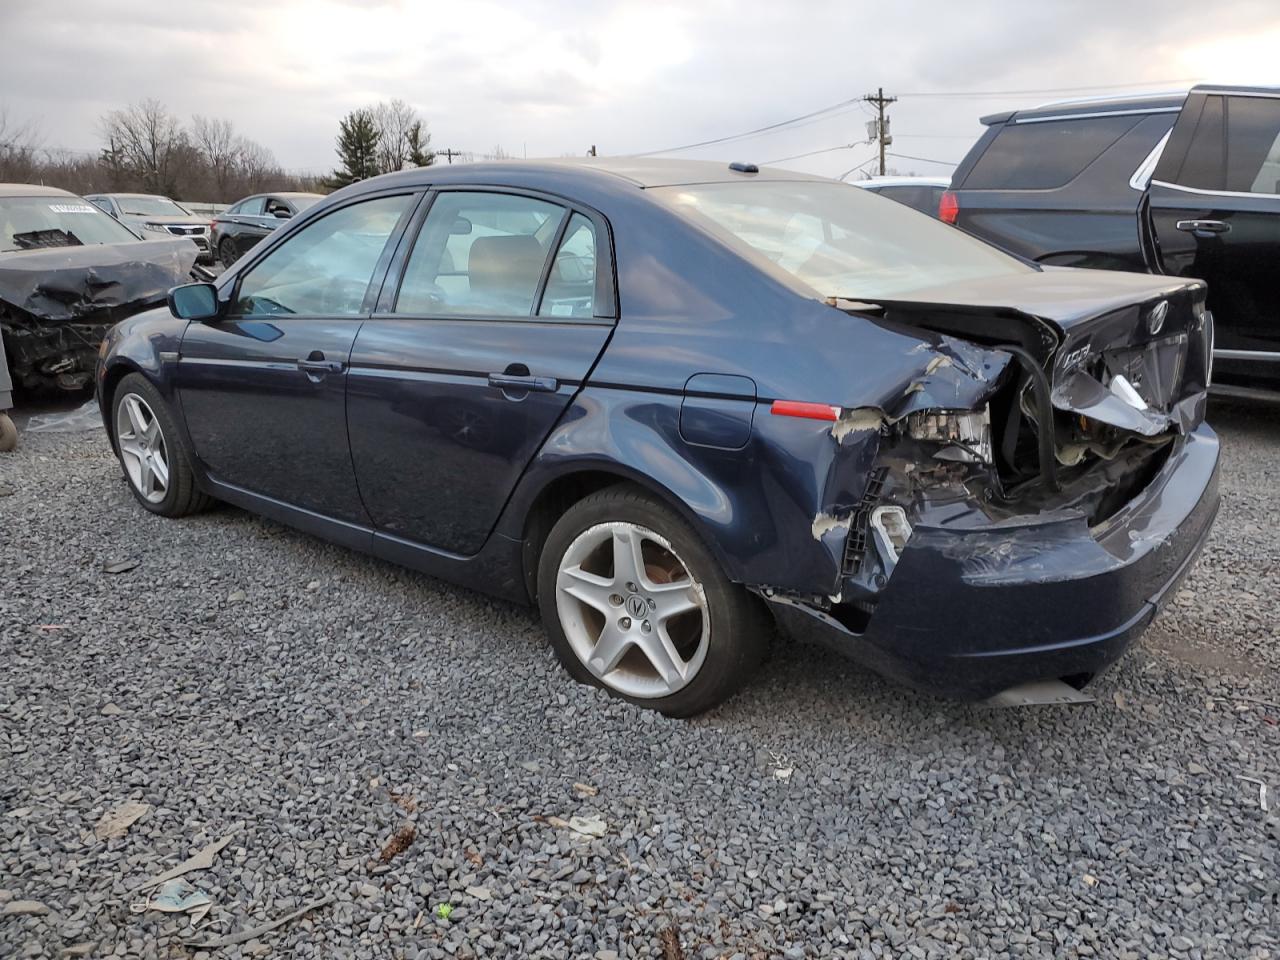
(311,702)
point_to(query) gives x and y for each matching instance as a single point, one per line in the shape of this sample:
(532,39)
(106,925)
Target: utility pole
(882,124)
(592,151)
(450,153)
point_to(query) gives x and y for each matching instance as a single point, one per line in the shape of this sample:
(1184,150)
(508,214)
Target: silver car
(150,215)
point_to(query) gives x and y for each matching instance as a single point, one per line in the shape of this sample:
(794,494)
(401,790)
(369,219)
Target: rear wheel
(227,252)
(635,603)
(155,461)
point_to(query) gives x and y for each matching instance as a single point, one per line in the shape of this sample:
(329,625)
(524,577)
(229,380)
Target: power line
(856,166)
(751,133)
(904,156)
(812,153)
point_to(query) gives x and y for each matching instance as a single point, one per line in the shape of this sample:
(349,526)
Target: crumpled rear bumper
(968,613)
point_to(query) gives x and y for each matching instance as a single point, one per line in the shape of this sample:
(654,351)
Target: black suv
(1182,184)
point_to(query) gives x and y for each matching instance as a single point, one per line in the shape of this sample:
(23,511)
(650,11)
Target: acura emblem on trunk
(1155,319)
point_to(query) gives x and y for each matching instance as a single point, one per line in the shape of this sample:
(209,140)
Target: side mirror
(194,301)
(460,227)
(281,213)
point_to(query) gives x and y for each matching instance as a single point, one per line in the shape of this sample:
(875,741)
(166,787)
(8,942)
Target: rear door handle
(1203,227)
(320,366)
(511,381)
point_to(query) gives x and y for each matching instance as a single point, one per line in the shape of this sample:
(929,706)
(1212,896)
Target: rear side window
(480,255)
(1043,156)
(1253,145)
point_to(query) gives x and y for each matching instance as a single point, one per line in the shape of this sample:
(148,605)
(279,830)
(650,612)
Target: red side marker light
(949,207)
(809,411)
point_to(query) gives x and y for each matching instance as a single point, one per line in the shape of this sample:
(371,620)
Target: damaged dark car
(68,272)
(671,403)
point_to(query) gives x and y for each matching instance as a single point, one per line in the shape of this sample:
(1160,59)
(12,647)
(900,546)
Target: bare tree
(401,135)
(219,147)
(142,140)
(18,143)
(256,165)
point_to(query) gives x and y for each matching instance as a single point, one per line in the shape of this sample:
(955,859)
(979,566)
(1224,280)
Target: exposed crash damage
(57,302)
(1030,450)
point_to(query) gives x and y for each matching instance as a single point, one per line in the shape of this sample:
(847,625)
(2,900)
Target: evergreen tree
(420,153)
(357,149)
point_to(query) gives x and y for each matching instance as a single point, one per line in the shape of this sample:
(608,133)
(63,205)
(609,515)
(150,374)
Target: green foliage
(419,141)
(357,149)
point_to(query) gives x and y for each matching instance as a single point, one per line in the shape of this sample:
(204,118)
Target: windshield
(840,240)
(302,203)
(151,207)
(30,222)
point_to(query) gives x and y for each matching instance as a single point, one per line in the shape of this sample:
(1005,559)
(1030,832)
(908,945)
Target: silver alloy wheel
(631,611)
(142,447)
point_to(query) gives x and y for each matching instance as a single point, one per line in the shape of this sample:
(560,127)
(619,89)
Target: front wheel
(635,603)
(151,451)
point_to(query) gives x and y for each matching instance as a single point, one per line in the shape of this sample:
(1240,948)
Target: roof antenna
(739,167)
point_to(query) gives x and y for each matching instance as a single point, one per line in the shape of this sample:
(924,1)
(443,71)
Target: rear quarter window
(1045,155)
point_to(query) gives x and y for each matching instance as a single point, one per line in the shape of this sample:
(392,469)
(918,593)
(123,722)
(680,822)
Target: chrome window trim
(1211,193)
(1265,356)
(1142,176)
(1101,113)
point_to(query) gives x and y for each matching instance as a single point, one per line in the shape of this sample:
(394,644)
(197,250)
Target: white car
(919,193)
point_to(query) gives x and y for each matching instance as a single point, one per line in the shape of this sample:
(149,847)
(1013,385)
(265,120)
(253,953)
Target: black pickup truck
(1185,184)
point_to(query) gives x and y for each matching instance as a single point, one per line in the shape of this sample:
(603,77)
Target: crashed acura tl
(664,399)
(68,272)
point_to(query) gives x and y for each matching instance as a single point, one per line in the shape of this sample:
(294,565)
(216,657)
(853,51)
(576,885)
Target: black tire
(227,252)
(8,433)
(181,495)
(739,626)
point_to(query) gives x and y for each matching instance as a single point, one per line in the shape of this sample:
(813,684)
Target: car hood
(67,283)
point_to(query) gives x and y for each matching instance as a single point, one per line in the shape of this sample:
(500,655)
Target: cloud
(555,76)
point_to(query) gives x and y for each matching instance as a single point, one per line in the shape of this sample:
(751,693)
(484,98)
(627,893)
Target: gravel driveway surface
(411,750)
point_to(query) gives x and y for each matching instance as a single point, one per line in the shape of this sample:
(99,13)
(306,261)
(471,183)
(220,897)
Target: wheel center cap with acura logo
(637,607)
(1155,319)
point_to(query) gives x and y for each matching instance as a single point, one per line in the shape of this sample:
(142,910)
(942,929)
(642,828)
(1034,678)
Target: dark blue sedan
(672,403)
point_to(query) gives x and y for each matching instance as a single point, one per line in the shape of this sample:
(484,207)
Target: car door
(263,388)
(1215,215)
(485,330)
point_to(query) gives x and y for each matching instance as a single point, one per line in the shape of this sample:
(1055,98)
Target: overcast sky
(552,77)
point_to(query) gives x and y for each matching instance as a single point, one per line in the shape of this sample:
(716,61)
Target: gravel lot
(248,681)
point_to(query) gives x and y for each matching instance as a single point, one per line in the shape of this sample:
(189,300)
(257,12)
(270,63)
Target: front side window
(479,254)
(325,268)
(840,240)
(27,223)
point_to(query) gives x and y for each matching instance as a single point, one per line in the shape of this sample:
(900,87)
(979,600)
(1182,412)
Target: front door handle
(517,382)
(1203,228)
(320,366)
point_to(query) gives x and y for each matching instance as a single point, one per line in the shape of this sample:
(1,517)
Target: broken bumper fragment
(970,612)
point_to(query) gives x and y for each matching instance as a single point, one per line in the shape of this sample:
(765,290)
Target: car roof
(1144,103)
(133,196)
(1168,102)
(31,190)
(641,172)
(901,182)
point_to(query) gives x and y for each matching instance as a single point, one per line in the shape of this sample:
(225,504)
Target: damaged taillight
(963,435)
